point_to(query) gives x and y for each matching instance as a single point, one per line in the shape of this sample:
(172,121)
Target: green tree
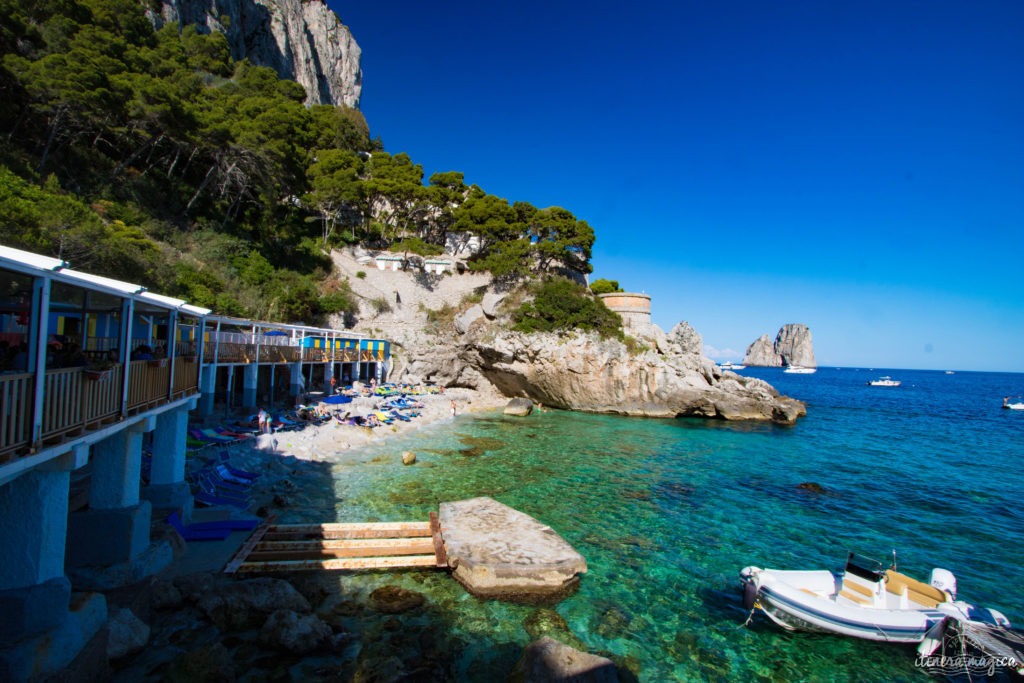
(563,305)
(603,286)
(334,187)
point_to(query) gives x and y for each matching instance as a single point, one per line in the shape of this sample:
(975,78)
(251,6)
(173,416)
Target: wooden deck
(348,546)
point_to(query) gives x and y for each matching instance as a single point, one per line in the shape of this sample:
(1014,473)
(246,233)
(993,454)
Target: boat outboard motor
(750,591)
(944,580)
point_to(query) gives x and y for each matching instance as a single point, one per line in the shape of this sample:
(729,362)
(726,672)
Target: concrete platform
(498,552)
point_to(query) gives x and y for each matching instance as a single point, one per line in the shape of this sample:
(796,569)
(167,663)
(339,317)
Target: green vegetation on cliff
(560,305)
(153,156)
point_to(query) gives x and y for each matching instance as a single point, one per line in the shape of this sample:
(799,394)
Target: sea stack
(792,346)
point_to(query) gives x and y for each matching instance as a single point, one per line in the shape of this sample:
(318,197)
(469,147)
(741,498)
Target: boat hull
(795,609)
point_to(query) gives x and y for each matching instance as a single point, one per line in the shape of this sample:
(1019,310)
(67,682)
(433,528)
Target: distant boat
(950,372)
(1012,406)
(799,370)
(728,365)
(884,382)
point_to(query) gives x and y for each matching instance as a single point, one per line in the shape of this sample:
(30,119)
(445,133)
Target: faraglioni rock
(300,40)
(792,346)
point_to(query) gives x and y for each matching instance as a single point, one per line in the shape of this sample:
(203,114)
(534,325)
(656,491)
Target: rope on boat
(749,616)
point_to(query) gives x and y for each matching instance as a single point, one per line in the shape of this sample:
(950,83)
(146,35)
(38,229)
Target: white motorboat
(884,382)
(799,370)
(1013,406)
(950,372)
(728,365)
(870,602)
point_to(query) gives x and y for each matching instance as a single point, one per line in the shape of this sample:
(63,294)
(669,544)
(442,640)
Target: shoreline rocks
(583,372)
(519,407)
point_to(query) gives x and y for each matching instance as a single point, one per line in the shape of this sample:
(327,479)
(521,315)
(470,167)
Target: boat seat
(917,591)
(853,597)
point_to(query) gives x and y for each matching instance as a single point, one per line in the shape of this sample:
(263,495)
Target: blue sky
(857,167)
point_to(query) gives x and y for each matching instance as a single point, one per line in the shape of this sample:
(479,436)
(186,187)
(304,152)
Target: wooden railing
(101,393)
(232,352)
(15,416)
(62,401)
(186,375)
(147,382)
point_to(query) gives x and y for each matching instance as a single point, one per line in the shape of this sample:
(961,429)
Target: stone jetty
(497,552)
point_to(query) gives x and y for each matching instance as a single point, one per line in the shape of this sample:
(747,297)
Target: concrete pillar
(115,528)
(251,373)
(328,374)
(34,593)
(167,488)
(207,389)
(296,382)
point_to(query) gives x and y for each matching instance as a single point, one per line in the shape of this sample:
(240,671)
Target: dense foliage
(561,304)
(603,286)
(153,156)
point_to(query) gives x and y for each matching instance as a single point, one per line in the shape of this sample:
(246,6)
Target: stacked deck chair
(209,531)
(218,485)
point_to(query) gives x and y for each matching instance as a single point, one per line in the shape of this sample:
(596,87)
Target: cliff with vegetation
(154,155)
(300,40)
(792,346)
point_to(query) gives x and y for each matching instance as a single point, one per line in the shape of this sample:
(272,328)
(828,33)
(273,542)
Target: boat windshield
(865,567)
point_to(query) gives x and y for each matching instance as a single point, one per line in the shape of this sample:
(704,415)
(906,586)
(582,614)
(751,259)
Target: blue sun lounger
(215,525)
(189,533)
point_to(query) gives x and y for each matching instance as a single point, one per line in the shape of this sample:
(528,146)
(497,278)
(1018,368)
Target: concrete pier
(498,552)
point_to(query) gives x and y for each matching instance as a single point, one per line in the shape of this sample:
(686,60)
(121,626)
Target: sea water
(667,512)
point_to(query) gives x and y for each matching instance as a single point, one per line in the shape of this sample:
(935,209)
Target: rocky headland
(301,41)
(792,346)
(653,375)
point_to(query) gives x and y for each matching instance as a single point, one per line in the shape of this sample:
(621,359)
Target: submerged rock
(246,604)
(296,633)
(545,621)
(519,407)
(550,660)
(127,634)
(408,457)
(395,599)
(210,663)
(498,552)
(811,487)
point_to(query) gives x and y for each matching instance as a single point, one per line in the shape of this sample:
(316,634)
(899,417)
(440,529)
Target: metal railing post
(41,320)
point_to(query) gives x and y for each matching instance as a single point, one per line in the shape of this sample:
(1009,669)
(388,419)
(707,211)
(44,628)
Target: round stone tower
(634,308)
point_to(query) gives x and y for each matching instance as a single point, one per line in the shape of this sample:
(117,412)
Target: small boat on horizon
(799,370)
(950,372)
(884,382)
(1012,406)
(729,365)
(868,601)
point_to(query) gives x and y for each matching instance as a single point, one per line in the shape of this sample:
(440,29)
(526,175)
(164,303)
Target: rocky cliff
(792,346)
(300,40)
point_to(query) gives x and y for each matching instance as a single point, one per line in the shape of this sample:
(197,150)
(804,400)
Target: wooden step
(398,562)
(353,543)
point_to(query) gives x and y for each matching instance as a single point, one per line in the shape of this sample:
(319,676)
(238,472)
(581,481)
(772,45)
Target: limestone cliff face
(792,346)
(300,40)
(584,372)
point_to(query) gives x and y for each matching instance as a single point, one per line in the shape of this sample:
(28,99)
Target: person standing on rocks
(453,408)
(264,421)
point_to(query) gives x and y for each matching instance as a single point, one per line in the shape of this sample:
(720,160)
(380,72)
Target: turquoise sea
(668,511)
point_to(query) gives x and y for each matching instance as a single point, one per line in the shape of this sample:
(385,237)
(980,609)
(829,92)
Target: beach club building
(95,372)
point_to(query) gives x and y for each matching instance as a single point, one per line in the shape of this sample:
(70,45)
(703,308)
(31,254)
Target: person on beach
(453,408)
(540,407)
(264,421)
(334,385)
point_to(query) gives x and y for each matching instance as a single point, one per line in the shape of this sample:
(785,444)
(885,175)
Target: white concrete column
(249,385)
(169,447)
(33,528)
(295,380)
(207,389)
(116,470)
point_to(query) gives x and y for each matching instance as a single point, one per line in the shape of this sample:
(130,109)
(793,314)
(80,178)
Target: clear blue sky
(857,167)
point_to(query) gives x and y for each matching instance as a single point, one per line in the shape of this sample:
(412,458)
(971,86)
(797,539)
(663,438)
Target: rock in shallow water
(519,407)
(127,633)
(408,457)
(296,633)
(395,599)
(549,660)
(246,604)
(498,552)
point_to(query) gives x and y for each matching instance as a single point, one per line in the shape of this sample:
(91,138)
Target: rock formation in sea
(660,375)
(792,346)
(301,40)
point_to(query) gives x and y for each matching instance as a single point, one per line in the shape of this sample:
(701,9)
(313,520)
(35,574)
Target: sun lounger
(190,533)
(213,500)
(216,525)
(224,459)
(231,487)
(222,471)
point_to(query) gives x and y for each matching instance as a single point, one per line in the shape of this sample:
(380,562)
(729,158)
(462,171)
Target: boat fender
(750,591)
